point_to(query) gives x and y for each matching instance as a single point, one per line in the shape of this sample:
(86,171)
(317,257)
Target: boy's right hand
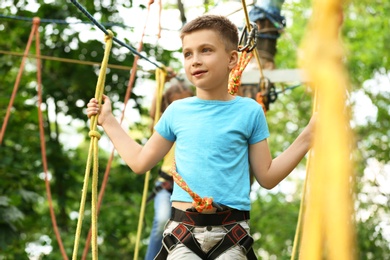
(104,111)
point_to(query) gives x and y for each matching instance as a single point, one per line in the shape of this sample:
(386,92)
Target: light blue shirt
(212,140)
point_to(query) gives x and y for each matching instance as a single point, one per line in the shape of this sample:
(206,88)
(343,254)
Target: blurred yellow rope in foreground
(328,231)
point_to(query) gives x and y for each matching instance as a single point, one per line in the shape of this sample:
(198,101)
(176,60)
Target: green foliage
(273,224)
(24,210)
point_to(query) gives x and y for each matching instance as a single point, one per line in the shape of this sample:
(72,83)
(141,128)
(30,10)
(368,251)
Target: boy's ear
(233,59)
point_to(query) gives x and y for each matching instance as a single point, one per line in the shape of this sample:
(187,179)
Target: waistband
(216,219)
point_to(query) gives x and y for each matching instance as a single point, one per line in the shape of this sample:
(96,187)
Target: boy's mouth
(198,73)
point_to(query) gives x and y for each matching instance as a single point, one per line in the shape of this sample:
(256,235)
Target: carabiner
(251,38)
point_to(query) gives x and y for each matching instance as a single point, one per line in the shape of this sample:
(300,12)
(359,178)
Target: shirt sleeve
(164,126)
(260,127)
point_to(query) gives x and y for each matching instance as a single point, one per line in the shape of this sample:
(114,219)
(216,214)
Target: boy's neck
(206,95)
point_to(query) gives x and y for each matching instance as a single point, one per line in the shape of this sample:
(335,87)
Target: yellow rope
(43,57)
(304,192)
(160,79)
(328,229)
(93,155)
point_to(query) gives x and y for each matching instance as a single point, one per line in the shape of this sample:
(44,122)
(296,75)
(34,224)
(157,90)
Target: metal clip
(251,38)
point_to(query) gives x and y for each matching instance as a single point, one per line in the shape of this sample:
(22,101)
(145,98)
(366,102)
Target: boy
(217,137)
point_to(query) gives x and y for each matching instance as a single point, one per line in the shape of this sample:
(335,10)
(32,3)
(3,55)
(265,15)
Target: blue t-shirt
(212,141)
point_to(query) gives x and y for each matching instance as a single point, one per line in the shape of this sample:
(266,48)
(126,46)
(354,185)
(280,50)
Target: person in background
(164,184)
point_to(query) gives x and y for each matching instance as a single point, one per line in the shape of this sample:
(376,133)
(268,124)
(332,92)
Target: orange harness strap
(199,203)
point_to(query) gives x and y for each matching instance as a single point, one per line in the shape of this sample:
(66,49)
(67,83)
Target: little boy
(218,137)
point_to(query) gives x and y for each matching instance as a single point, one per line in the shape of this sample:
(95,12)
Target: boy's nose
(196,60)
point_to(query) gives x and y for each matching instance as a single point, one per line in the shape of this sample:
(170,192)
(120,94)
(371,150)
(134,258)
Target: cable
(102,28)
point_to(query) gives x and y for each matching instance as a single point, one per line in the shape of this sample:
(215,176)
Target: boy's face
(206,61)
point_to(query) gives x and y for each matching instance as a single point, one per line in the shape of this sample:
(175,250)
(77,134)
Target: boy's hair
(177,88)
(219,24)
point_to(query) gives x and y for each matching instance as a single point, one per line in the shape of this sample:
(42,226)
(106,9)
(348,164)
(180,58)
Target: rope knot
(202,204)
(108,36)
(94,133)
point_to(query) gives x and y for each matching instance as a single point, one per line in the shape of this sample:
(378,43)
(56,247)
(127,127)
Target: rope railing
(60,21)
(65,60)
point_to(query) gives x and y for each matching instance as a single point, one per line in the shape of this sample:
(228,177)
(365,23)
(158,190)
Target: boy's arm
(139,158)
(270,172)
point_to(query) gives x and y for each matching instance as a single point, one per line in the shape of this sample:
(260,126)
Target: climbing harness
(229,219)
(225,216)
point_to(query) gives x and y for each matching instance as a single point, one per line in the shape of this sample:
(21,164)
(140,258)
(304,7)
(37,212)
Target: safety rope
(235,74)
(35,33)
(200,204)
(93,155)
(328,228)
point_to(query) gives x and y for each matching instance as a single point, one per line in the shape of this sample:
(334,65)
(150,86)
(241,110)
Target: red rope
(43,144)
(35,32)
(17,82)
(199,203)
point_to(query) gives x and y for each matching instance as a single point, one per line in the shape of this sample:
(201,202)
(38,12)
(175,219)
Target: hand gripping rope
(93,154)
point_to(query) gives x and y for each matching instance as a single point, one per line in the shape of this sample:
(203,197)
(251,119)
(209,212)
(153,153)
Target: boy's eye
(187,54)
(206,49)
